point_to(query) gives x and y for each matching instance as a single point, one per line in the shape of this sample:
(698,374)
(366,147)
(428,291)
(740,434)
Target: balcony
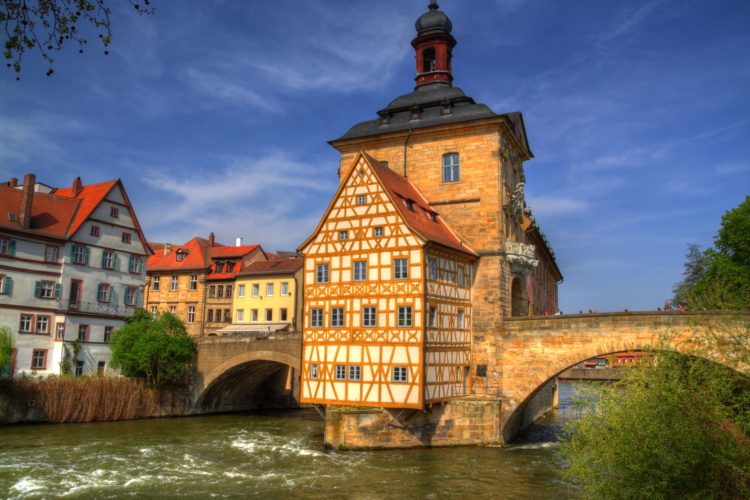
(96,308)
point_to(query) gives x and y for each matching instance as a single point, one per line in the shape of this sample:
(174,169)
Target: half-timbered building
(387,297)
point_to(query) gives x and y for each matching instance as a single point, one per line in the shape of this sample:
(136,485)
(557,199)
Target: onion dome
(433,21)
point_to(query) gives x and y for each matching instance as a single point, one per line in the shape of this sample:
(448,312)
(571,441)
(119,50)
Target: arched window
(450,167)
(428,60)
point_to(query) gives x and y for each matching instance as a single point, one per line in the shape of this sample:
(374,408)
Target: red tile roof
(413,207)
(90,197)
(277,266)
(229,254)
(194,256)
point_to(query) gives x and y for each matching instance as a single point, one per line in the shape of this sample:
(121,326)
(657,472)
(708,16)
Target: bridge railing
(251,337)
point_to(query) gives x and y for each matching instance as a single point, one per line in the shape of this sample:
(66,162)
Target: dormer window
(180,255)
(446,108)
(409,204)
(385,119)
(230,266)
(219,267)
(12,217)
(415,112)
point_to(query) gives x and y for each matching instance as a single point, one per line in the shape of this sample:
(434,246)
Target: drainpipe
(405,143)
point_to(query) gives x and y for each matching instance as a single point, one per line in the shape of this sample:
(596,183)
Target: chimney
(29,181)
(211,239)
(77,187)
(13,182)
(238,242)
(167,249)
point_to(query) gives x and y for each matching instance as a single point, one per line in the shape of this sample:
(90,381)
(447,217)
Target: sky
(216,115)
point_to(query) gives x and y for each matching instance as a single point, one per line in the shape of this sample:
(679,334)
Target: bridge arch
(249,380)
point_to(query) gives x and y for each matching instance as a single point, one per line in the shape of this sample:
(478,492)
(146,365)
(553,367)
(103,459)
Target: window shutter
(37,289)
(58,290)
(103,254)
(141,264)
(138,298)
(115,262)
(72,253)
(7,284)
(87,253)
(130,263)
(110,295)
(12,248)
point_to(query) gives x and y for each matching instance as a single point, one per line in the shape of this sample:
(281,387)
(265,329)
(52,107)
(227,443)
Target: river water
(260,455)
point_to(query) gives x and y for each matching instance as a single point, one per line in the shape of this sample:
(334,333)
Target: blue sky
(216,115)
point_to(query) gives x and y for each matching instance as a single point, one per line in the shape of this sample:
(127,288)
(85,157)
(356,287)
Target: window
(461,276)
(109,260)
(126,237)
(240,291)
(39,359)
(173,309)
(79,255)
(432,317)
(7,247)
(269,315)
(45,290)
(228,291)
(240,315)
(79,368)
(399,374)
(433,269)
(254,315)
(60,331)
(354,372)
(114,212)
(83,333)
(131,296)
(316,318)
(100,367)
(104,292)
(378,232)
(230,266)
(175,280)
(219,267)
(343,235)
(360,270)
(155,284)
(404,316)
(94,230)
(6,284)
(337,317)
(180,256)
(108,331)
(27,321)
(282,314)
(193,282)
(314,371)
(219,291)
(269,290)
(450,167)
(135,264)
(401,269)
(51,253)
(322,273)
(227,315)
(42,325)
(460,319)
(191,314)
(369,316)
(481,370)
(256,289)
(212,291)
(210,316)
(361,200)
(284,289)
(340,372)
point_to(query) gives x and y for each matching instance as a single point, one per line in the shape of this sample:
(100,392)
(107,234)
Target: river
(261,455)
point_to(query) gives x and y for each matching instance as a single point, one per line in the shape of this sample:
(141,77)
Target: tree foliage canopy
(6,350)
(155,347)
(46,25)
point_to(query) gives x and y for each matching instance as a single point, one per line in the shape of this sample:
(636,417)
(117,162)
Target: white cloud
(556,206)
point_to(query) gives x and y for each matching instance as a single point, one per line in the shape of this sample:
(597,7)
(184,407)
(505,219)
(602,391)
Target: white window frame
(340,372)
(284,289)
(193,282)
(269,289)
(433,269)
(400,374)
(240,315)
(322,273)
(240,291)
(360,270)
(191,314)
(451,167)
(401,269)
(405,316)
(377,232)
(174,284)
(460,323)
(355,373)
(256,289)
(370,317)
(337,317)
(316,317)
(314,371)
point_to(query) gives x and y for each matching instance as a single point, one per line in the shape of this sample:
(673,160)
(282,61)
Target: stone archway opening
(519,305)
(253,385)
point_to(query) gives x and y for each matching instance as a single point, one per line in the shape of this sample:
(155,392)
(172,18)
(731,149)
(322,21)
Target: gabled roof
(90,198)
(234,254)
(50,215)
(223,252)
(418,215)
(194,256)
(270,267)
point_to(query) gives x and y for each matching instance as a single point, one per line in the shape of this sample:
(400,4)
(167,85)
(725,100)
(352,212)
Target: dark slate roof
(429,99)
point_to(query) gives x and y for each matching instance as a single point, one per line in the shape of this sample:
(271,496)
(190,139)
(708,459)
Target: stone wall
(461,422)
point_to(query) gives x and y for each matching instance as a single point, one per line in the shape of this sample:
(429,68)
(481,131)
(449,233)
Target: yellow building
(387,297)
(267,297)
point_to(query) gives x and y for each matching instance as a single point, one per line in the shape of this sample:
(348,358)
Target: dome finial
(434,5)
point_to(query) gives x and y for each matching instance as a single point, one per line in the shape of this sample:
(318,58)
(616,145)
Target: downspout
(405,143)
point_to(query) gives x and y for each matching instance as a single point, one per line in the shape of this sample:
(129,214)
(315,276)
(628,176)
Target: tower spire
(434,45)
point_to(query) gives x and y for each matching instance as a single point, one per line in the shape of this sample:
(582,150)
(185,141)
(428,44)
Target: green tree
(46,25)
(155,347)
(6,350)
(696,266)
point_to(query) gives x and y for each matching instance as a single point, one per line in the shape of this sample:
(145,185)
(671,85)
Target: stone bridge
(246,371)
(530,352)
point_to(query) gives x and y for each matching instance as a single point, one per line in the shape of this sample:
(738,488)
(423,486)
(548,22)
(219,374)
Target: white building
(72,266)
